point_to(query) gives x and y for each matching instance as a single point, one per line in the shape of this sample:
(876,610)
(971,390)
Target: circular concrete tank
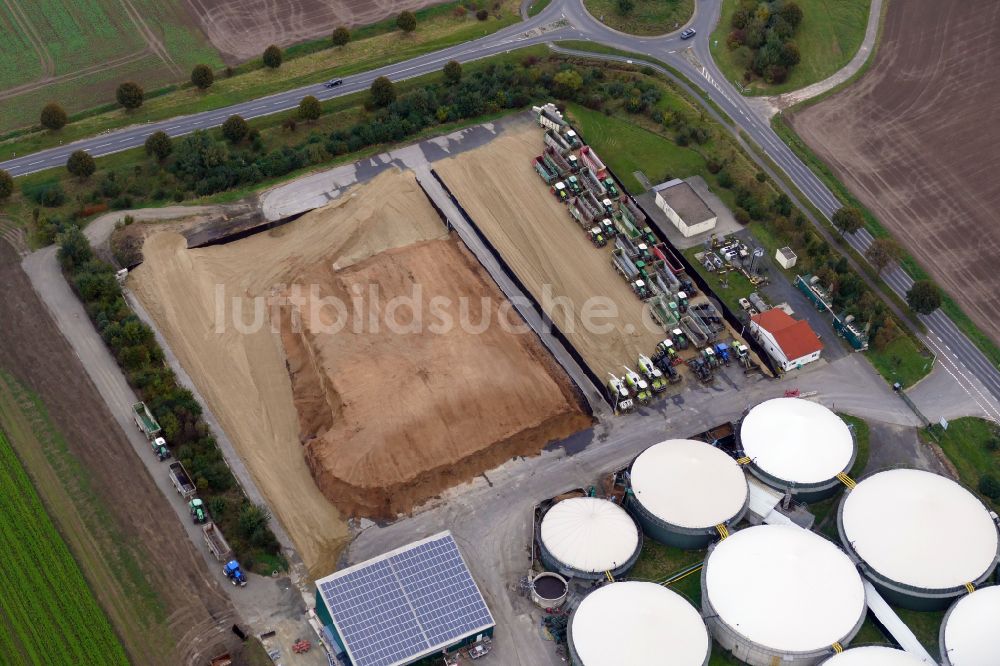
(797,446)
(874,655)
(681,489)
(548,590)
(970,632)
(778,593)
(921,537)
(633,623)
(585,537)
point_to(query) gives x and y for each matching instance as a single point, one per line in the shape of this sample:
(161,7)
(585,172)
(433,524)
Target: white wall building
(791,343)
(685,209)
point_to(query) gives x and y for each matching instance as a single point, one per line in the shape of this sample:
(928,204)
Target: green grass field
(79,50)
(830,35)
(48,615)
(966,442)
(648,17)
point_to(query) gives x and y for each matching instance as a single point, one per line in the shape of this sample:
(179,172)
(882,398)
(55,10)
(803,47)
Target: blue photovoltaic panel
(406,604)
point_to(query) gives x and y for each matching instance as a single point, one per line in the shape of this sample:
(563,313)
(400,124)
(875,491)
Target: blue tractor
(234,573)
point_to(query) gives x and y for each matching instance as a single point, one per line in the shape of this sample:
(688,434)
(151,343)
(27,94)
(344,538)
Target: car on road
(333,83)
(688,34)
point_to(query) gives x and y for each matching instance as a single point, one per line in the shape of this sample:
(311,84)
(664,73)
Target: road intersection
(569,20)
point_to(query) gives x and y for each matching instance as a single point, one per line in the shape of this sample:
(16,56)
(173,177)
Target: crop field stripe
(48,609)
(19,60)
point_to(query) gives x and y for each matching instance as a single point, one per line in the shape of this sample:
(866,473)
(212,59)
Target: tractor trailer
(181,480)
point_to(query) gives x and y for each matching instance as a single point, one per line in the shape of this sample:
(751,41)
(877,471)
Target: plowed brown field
(241,29)
(917,140)
(381,417)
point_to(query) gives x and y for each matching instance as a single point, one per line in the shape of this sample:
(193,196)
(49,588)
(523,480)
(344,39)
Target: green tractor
(198,511)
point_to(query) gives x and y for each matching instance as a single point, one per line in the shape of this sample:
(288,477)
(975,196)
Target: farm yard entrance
(77,53)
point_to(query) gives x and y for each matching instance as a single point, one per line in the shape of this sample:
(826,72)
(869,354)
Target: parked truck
(572,137)
(547,174)
(623,264)
(556,141)
(609,184)
(636,216)
(591,159)
(144,419)
(216,542)
(592,182)
(181,480)
(554,158)
(574,185)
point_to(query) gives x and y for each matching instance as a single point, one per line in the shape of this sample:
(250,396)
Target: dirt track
(917,141)
(196,614)
(241,29)
(548,251)
(273,390)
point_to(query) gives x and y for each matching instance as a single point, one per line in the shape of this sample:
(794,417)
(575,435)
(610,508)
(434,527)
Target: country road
(568,19)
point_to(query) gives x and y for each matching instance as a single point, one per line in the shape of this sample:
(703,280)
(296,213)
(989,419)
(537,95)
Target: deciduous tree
(202,77)
(53,116)
(847,220)
(235,129)
(341,36)
(130,95)
(452,72)
(383,93)
(882,252)
(406,22)
(159,145)
(273,57)
(924,297)
(309,108)
(81,164)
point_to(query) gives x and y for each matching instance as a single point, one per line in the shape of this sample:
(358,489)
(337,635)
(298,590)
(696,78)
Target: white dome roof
(797,440)
(638,623)
(972,629)
(688,483)
(874,655)
(920,529)
(785,588)
(589,534)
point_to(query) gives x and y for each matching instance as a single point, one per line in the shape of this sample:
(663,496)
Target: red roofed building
(790,342)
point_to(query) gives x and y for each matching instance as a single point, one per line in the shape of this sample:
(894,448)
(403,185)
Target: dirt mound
(392,417)
(382,415)
(916,142)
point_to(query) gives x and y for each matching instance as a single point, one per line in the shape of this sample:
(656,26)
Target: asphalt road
(567,19)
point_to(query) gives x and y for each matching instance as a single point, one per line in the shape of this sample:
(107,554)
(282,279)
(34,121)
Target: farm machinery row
(578,178)
(187,489)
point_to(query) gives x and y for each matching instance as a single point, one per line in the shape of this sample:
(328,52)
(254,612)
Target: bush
(989,485)
(625,7)
(341,36)
(129,95)
(383,92)
(482,15)
(452,72)
(272,57)
(406,22)
(53,117)
(924,297)
(50,195)
(252,518)
(202,77)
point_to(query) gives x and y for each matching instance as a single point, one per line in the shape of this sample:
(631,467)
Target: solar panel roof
(405,604)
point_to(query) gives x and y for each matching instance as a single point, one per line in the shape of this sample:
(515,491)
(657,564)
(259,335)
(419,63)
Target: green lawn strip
(822,171)
(538,6)
(901,361)
(870,634)
(658,562)
(925,625)
(829,36)
(313,67)
(42,590)
(967,443)
(647,17)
